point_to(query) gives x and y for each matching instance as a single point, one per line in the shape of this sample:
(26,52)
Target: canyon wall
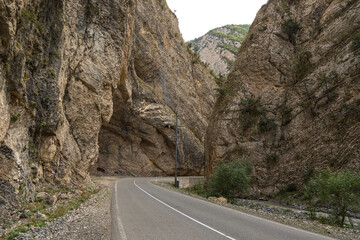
(291,103)
(78,76)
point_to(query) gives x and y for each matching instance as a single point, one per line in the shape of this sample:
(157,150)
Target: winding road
(144,211)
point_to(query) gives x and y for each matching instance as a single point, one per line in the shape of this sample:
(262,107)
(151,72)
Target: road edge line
(248,214)
(193,219)
(119,224)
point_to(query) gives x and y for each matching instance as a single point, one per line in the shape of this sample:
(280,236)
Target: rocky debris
(90,221)
(291,101)
(218,48)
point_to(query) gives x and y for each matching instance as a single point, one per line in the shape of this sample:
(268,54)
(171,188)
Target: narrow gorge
(93,87)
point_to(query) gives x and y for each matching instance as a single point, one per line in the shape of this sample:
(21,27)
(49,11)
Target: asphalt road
(143,211)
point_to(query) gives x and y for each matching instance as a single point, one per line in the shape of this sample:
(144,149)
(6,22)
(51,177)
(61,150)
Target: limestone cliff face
(74,72)
(162,79)
(292,101)
(218,47)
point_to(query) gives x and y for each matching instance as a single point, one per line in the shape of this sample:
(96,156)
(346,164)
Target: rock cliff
(78,76)
(291,104)
(163,77)
(218,48)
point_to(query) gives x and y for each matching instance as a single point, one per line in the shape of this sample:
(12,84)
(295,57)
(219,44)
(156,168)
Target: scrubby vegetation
(40,210)
(339,191)
(250,111)
(291,27)
(355,42)
(230,179)
(237,33)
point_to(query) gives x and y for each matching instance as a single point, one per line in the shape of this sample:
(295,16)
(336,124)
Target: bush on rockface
(230,179)
(339,191)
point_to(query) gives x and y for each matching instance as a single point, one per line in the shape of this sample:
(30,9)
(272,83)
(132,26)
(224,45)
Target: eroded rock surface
(74,70)
(292,101)
(162,79)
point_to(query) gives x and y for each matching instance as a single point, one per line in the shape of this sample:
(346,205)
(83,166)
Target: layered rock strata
(292,101)
(74,72)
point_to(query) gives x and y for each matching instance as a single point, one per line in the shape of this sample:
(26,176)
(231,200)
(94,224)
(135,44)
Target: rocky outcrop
(76,75)
(162,79)
(218,47)
(291,103)
(61,62)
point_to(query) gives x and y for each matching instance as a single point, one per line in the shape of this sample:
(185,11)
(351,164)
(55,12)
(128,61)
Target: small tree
(339,191)
(230,178)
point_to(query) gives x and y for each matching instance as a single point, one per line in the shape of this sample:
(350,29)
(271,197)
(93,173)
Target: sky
(197,17)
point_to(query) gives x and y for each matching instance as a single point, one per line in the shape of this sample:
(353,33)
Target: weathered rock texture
(162,79)
(72,70)
(292,102)
(218,48)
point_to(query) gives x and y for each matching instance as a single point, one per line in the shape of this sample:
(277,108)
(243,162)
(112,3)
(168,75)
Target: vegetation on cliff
(218,47)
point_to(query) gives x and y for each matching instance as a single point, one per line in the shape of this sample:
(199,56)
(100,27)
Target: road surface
(143,211)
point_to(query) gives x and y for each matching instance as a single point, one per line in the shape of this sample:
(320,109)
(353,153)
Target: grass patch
(38,208)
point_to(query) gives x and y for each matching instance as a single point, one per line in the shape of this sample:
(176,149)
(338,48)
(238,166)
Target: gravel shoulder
(90,221)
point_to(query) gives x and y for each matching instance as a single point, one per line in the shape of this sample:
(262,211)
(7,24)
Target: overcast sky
(197,17)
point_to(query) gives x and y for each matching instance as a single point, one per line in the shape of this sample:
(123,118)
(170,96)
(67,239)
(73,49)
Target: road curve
(143,211)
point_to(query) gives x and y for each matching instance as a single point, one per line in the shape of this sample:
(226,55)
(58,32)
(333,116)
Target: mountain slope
(292,100)
(218,48)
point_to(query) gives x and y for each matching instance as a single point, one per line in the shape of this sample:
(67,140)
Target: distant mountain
(219,46)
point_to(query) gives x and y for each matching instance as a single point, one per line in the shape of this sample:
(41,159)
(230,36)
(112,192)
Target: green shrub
(199,189)
(302,65)
(266,125)
(355,42)
(340,191)
(286,114)
(291,27)
(16,117)
(250,111)
(222,91)
(230,179)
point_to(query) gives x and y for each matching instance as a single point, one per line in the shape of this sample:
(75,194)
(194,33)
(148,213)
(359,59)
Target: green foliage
(42,124)
(28,16)
(355,42)
(352,108)
(92,9)
(250,111)
(266,124)
(339,191)
(32,17)
(16,117)
(220,79)
(199,189)
(228,47)
(16,231)
(291,27)
(230,179)
(271,159)
(222,91)
(8,224)
(286,114)
(302,65)
(291,187)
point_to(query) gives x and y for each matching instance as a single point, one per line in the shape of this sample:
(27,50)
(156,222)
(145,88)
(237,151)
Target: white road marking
(203,224)
(262,219)
(120,226)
